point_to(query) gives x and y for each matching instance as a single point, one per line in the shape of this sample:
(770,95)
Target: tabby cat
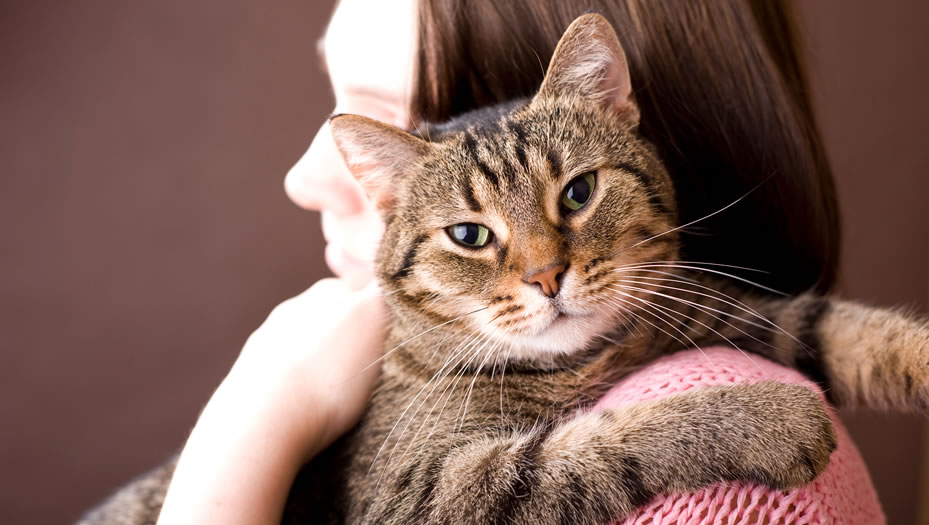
(530,259)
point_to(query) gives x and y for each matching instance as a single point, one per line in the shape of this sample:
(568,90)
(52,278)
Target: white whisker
(708,270)
(458,351)
(671,311)
(417,336)
(739,306)
(630,308)
(705,217)
(774,327)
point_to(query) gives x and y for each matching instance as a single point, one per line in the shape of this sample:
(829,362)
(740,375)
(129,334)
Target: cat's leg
(600,466)
(865,356)
(860,355)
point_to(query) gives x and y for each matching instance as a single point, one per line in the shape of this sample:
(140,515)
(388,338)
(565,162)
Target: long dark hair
(722,93)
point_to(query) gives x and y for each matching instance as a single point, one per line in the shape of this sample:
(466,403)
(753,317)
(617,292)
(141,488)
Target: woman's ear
(377,154)
(589,63)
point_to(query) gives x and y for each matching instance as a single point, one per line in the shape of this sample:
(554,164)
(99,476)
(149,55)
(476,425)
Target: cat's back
(138,503)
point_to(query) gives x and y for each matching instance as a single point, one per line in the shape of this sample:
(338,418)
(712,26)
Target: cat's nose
(547,278)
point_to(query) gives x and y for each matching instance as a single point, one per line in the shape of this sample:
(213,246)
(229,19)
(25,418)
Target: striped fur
(476,418)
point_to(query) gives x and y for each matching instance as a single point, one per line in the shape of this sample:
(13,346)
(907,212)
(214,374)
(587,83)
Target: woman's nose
(321,181)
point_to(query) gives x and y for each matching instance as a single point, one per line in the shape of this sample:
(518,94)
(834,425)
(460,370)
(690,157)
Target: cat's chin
(565,334)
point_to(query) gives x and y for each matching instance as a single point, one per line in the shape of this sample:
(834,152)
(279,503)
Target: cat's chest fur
(421,405)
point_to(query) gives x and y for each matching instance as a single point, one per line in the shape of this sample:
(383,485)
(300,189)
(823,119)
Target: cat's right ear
(377,154)
(590,63)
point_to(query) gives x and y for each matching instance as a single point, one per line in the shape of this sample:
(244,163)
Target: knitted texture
(843,494)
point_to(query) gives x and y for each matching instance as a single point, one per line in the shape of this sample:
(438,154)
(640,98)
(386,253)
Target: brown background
(145,232)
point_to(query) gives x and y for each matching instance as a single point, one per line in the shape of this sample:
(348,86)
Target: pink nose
(547,278)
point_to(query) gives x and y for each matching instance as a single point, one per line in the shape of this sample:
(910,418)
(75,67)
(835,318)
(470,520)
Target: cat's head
(520,226)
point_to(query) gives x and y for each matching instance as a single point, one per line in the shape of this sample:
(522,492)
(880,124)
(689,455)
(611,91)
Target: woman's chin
(355,272)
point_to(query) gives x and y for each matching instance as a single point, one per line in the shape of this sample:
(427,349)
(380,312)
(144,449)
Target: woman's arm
(300,382)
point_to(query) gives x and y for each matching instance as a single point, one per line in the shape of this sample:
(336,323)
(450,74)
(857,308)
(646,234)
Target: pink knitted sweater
(842,495)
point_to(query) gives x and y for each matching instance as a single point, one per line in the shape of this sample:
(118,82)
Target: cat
(530,259)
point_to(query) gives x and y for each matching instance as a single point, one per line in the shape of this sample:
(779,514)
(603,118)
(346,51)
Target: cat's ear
(377,154)
(589,62)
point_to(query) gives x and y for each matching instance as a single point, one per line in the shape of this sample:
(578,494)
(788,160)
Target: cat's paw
(793,448)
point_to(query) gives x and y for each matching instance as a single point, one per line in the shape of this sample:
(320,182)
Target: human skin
(370,80)
(304,376)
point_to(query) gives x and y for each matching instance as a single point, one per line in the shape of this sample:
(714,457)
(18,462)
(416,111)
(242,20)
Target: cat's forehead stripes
(554,163)
(471,147)
(499,151)
(519,155)
(507,167)
(467,191)
(520,144)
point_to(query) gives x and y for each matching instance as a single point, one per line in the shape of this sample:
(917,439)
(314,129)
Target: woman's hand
(317,354)
(302,379)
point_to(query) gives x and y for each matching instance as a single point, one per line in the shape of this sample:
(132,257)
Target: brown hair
(722,94)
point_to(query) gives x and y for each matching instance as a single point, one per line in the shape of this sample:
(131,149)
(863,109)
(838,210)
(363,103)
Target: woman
(721,92)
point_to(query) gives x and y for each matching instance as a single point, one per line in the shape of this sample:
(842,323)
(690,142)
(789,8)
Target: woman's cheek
(352,241)
(358,233)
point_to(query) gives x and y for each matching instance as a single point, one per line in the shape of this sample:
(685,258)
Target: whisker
(736,304)
(705,217)
(774,327)
(484,338)
(417,336)
(460,367)
(697,305)
(708,270)
(470,390)
(630,308)
(657,313)
(625,322)
(458,351)
(705,263)
(506,358)
(453,385)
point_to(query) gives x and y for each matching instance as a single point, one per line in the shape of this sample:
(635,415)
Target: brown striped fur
(476,418)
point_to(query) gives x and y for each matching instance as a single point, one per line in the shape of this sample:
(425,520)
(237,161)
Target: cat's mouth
(562,318)
(563,311)
(558,327)
(564,332)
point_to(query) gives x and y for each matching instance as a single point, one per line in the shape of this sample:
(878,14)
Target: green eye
(578,191)
(469,234)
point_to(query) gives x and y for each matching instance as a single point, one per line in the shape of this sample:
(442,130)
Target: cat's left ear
(589,62)
(377,154)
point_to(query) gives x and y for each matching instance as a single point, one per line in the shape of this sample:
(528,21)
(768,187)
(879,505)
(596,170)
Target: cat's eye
(469,234)
(578,191)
